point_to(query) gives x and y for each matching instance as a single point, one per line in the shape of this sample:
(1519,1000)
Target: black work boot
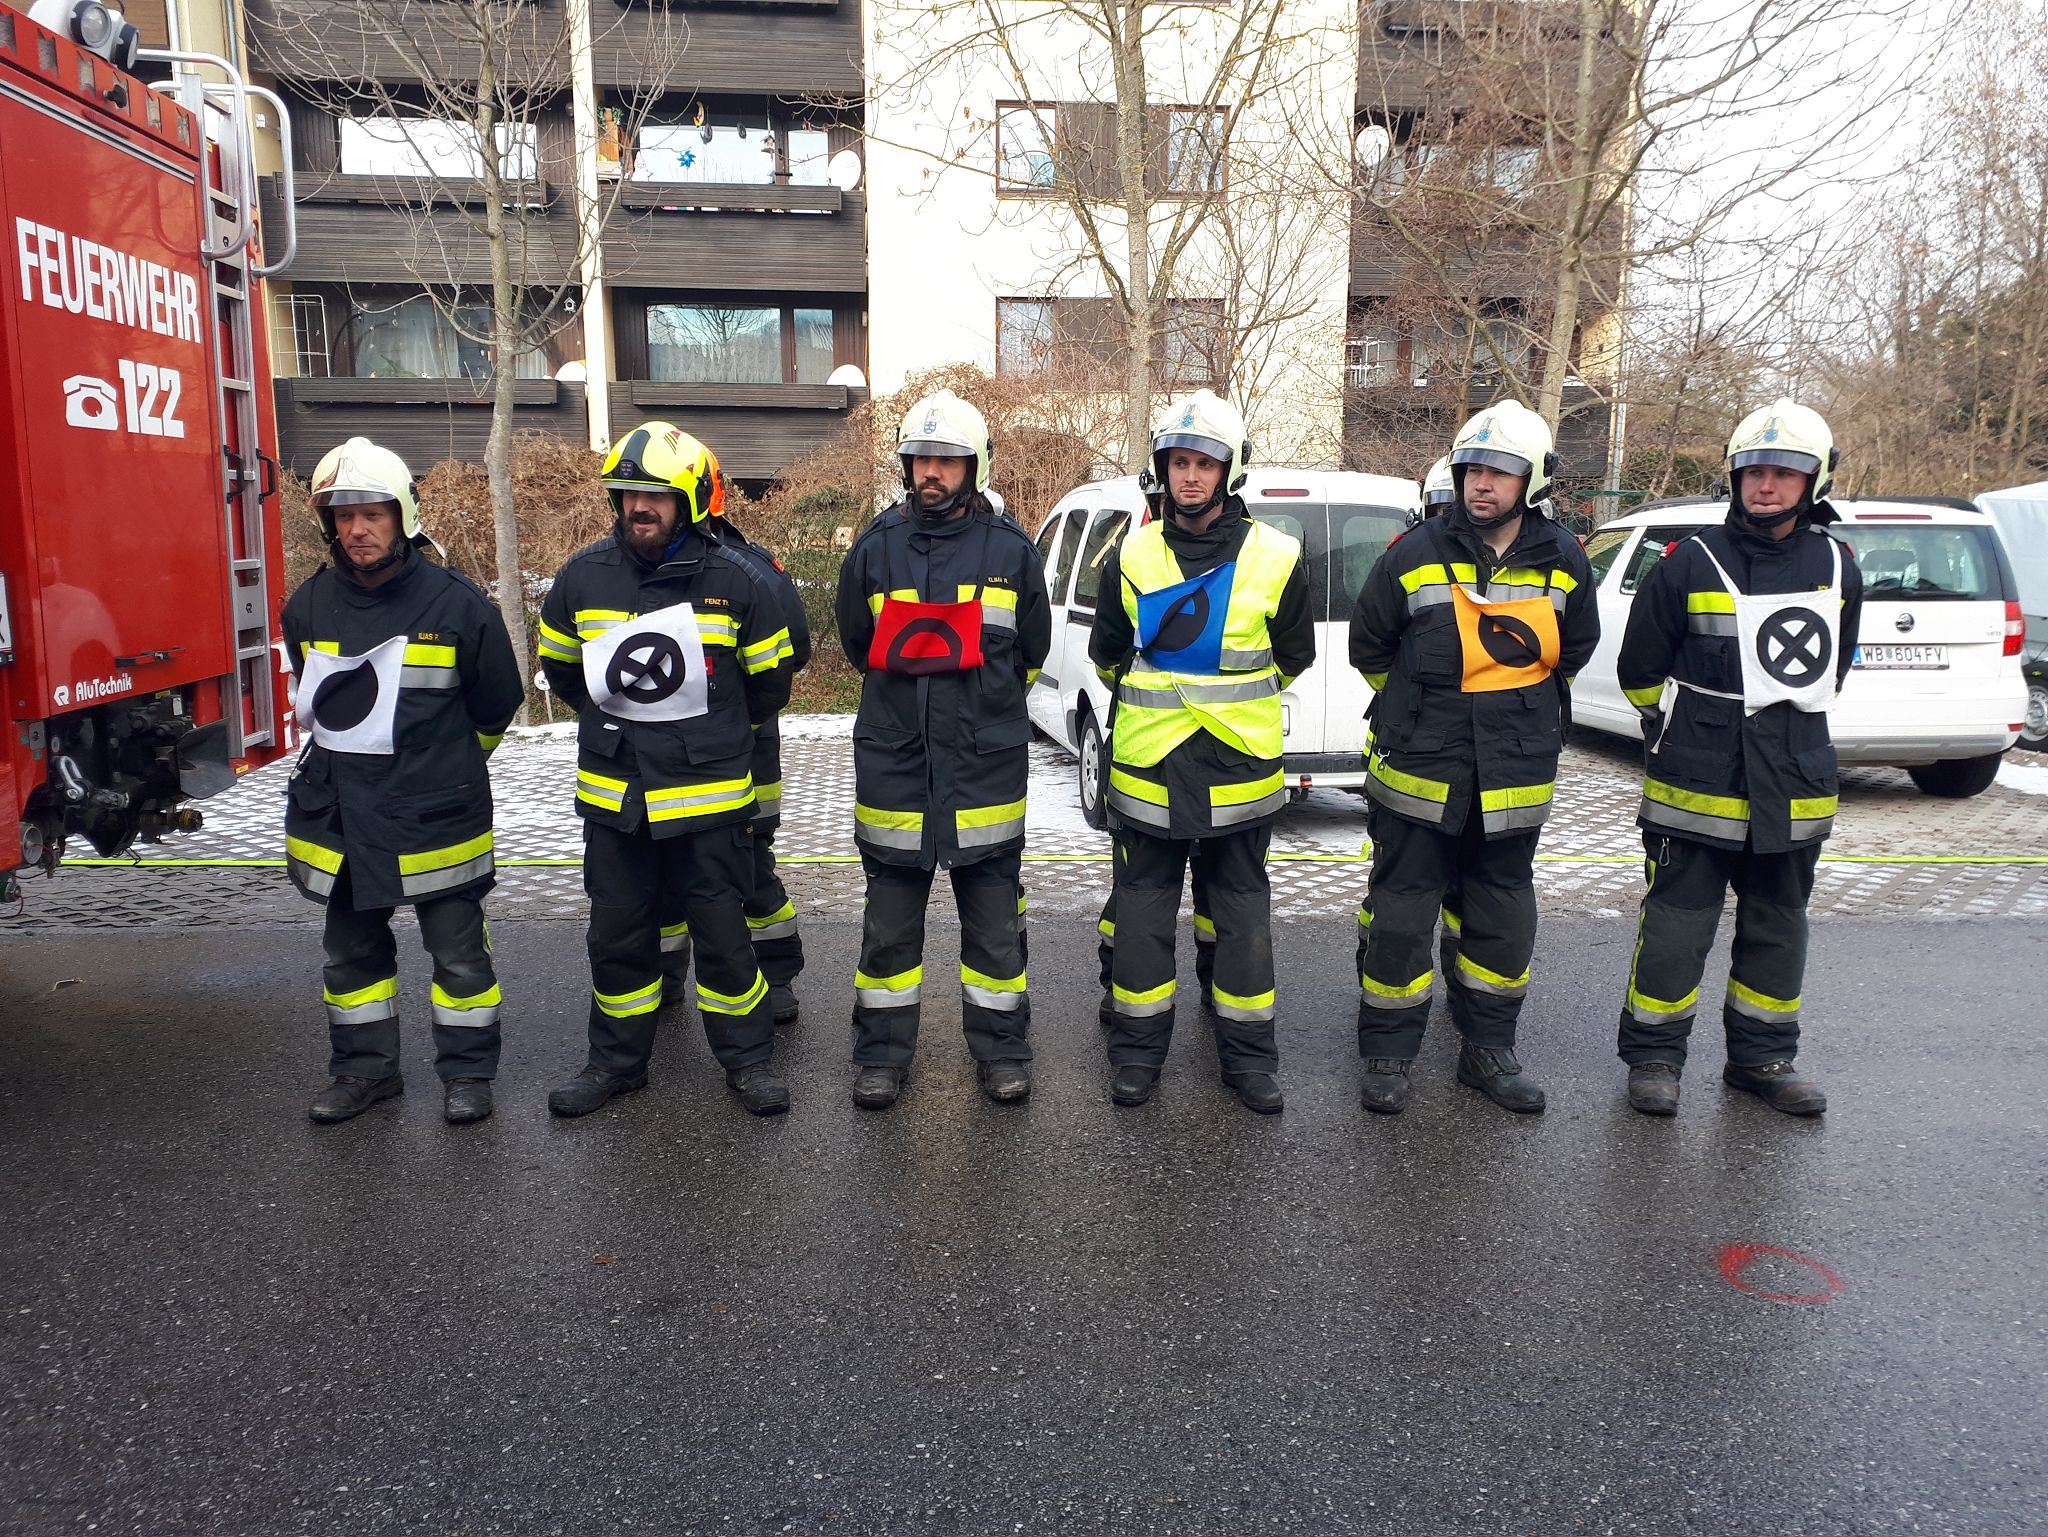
(465,1099)
(1004,1082)
(1778,1084)
(1384,1089)
(760,1088)
(1133,1083)
(1653,1087)
(876,1088)
(782,1004)
(348,1097)
(1256,1091)
(590,1089)
(1494,1072)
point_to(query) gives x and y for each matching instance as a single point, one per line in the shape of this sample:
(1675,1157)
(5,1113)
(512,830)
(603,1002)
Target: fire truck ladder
(249,700)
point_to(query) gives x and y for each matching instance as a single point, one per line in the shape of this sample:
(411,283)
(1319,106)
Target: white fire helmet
(1438,489)
(1789,435)
(943,426)
(358,473)
(1208,424)
(1509,437)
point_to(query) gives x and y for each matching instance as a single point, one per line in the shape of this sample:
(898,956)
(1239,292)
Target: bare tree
(460,90)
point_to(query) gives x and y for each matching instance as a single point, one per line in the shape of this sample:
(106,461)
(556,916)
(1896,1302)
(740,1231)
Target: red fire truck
(140,556)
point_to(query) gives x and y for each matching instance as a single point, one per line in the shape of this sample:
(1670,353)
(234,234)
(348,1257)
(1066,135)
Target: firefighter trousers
(1490,936)
(1686,886)
(771,925)
(626,875)
(360,986)
(1232,873)
(995,1008)
(1205,929)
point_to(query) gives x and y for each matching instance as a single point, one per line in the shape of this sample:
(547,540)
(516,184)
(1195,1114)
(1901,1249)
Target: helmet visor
(1493,459)
(352,496)
(1200,442)
(1783,458)
(635,479)
(933,448)
(1438,498)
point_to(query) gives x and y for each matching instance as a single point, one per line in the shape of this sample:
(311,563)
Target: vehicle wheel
(2034,730)
(1955,778)
(1092,773)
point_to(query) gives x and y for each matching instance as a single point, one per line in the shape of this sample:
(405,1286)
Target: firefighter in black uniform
(771,914)
(1736,645)
(671,652)
(405,682)
(1205,623)
(1469,629)
(942,608)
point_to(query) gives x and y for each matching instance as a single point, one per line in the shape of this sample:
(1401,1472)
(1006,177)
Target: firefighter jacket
(777,586)
(1197,636)
(1714,771)
(666,747)
(948,623)
(1462,700)
(412,822)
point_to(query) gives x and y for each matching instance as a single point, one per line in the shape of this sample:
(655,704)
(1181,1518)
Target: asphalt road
(1062,1318)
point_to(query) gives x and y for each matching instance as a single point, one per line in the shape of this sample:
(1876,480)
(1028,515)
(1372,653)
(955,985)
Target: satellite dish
(843,170)
(849,376)
(574,372)
(1373,144)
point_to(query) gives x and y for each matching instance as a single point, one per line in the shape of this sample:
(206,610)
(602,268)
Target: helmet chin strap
(1768,520)
(400,548)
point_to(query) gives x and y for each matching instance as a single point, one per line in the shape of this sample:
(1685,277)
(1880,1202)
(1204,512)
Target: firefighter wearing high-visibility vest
(1736,645)
(1469,629)
(943,611)
(771,912)
(405,681)
(671,652)
(1205,621)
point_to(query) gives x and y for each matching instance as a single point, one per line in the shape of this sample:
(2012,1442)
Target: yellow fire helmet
(360,473)
(1438,489)
(660,456)
(1789,435)
(1208,424)
(943,426)
(1509,437)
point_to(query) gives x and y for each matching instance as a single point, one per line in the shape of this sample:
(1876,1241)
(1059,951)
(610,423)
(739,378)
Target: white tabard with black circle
(1788,641)
(350,703)
(650,668)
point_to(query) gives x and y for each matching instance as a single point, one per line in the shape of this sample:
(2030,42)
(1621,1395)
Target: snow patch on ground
(2027,778)
(816,728)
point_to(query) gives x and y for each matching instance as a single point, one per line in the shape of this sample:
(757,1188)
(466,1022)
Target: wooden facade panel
(787,52)
(752,443)
(377,243)
(741,252)
(421,435)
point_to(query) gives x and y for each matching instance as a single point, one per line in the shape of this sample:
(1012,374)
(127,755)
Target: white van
(2021,513)
(1934,687)
(1344,520)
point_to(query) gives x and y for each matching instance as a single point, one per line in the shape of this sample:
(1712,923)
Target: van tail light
(2015,629)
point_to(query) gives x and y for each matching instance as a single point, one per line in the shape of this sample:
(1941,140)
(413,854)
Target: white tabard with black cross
(650,668)
(350,703)
(1788,641)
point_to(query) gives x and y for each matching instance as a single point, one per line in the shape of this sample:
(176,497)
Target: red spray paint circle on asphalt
(1736,1258)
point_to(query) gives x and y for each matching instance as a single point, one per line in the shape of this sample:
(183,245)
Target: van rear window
(1943,562)
(1362,536)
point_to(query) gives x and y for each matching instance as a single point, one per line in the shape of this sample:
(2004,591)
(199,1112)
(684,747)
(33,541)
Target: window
(1104,535)
(1656,543)
(1024,148)
(310,355)
(429,146)
(1931,561)
(1046,536)
(1503,346)
(1362,536)
(1372,356)
(1603,549)
(810,152)
(1024,335)
(1069,548)
(1192,349)
(739,344)
(715,152)
(1514,169)
(413,338)
(1194,149)
(813,345)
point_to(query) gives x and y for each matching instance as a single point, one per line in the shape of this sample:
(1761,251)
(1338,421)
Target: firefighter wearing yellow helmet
(942,610)
(771,912)
(671,653)
(1469,629)
(1204,624)
(404,681)
(1736,644)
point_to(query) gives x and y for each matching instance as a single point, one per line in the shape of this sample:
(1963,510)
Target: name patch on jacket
(650,668)
(1180,628)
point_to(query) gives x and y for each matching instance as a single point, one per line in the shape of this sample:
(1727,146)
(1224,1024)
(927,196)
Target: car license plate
(1891,656)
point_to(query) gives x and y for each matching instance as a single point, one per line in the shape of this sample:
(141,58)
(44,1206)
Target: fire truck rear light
(2015,629)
